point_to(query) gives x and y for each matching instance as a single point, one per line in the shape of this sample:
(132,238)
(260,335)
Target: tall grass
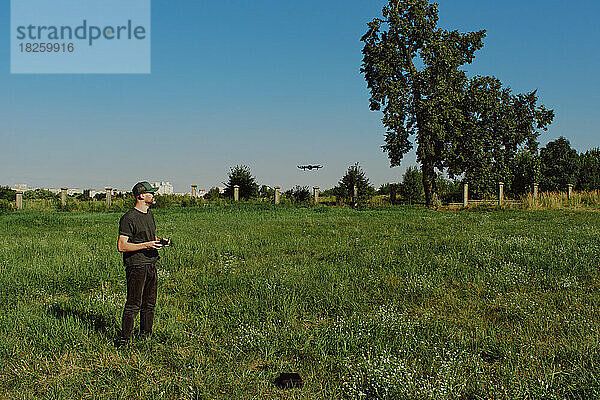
(545,201)
(386,303)
(561,200)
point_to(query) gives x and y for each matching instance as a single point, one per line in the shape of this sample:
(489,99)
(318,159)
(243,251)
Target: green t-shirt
(139,227)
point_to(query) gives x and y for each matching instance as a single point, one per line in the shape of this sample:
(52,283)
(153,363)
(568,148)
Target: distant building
(74,191)
(70,191)
(93,192)
(163,187)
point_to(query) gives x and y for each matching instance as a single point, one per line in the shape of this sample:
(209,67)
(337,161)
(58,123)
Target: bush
(524,173)
(174,200)
(559,165)
(589,172)
(70,205)
(449,191)
(298,194)
(354,176)
(266,192)
(83,197)
(5,205)
(411,188)
(212,194)
(384,189)
(7,193)
(241,176)
(188,201)
(40,194)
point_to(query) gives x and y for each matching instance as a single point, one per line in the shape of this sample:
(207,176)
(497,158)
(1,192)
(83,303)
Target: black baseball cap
(143,187)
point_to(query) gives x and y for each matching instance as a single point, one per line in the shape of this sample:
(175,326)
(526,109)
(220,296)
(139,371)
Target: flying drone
(309,167)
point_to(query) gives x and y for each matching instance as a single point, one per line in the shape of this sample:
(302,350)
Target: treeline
(555,167)
(409,191)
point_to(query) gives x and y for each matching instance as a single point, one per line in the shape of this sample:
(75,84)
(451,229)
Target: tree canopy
(559,165)
(525,171)
(411,188)
(240,175)
(7,193)
(589,170)
(354,176)
(412,69)
(497,126)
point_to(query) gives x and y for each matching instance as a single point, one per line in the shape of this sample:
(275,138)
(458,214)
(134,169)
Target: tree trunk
(428,182)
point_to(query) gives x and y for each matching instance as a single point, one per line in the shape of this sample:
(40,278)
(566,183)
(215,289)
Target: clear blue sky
(272,84)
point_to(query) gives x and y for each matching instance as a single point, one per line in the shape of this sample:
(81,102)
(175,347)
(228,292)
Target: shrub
(449,191)
(589,172)
(384,189)
(411,188)
(40,194)
(212,194)
(7,193)
(524,173)
(5,205)
(189,201)
(354,176)
(266,192)
(240,175)
(559,165)
(299,194)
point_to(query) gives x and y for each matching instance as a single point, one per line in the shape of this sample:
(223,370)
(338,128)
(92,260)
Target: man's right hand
(123,245)
(153,244)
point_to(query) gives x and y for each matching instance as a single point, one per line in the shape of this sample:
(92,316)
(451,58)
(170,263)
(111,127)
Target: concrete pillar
(355,197)
(570,191)
(194,191)
(19,200)
(316,194)
(277,194)
(466,195)
(535,190)
(500,193)
(236,193)
(63,196)
(108,196)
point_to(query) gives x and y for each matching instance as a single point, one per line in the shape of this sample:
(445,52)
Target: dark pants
(142,285)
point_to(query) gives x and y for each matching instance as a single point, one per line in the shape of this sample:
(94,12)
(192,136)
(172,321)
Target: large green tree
(497,125)
(240,175)
(411,188)
(354,176)
(412,69)
(589,170)
(559,165)
(525,171)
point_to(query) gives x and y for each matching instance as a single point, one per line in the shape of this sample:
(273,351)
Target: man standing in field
(139,245)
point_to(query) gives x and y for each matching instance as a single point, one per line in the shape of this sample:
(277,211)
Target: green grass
(382,303)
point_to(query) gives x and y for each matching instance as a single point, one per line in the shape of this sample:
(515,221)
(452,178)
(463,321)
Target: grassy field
(383,303)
